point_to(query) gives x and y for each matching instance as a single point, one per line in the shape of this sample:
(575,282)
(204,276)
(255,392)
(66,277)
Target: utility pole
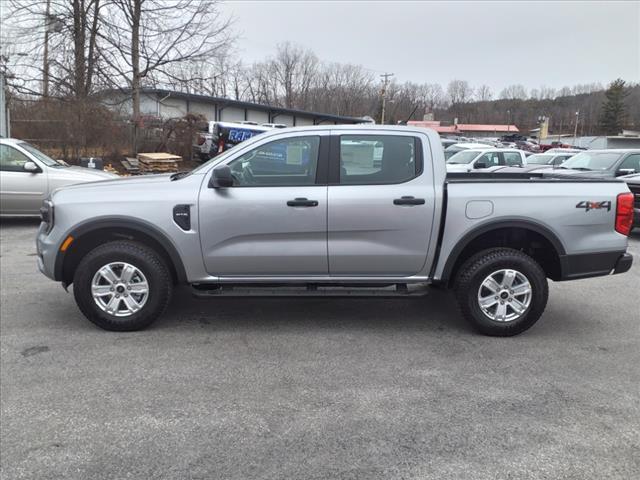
(575,129)
(385,83)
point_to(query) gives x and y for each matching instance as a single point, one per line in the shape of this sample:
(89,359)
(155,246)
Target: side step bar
(310,290)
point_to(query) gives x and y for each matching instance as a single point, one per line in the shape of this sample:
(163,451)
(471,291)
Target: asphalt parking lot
(312,388)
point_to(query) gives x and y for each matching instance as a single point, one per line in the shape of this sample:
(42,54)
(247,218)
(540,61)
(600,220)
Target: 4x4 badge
(586,205)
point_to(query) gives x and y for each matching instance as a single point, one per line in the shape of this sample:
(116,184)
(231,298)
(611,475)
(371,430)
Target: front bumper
(594,264)
(46,249)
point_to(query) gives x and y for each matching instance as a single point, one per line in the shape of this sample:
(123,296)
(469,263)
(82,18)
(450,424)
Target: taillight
(201,140)
(221,145)
(624,213)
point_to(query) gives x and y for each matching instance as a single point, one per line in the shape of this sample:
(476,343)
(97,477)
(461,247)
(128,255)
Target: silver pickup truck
(332,210)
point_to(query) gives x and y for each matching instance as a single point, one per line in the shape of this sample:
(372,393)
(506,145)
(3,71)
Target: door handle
(408,201)
(302,202)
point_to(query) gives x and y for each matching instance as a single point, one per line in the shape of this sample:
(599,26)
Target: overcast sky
(497,43)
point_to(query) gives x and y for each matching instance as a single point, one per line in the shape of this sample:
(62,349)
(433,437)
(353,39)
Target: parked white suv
(481,159)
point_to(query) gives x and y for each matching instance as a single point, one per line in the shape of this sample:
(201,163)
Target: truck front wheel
(501,291)
(122,286)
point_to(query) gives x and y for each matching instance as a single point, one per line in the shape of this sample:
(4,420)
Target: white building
(168,104)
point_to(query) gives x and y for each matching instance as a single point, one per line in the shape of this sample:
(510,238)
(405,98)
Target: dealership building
(167,104)
(466,129)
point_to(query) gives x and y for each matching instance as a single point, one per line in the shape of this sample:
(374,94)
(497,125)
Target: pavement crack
(28,352)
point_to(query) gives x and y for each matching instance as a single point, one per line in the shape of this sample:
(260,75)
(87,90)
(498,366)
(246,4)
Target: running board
(311,290)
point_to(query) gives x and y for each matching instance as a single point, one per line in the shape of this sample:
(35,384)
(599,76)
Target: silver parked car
(28,176)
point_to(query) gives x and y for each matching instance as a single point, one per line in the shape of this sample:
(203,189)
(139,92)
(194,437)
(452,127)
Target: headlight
(47,215)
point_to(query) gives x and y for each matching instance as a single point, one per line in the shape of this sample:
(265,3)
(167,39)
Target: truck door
(273,220)
(381,204)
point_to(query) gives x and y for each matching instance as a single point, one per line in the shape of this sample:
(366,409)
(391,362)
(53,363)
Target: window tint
(12,160)
(512,158)
(291,161)
(377,159)
(490,159)
(632,161)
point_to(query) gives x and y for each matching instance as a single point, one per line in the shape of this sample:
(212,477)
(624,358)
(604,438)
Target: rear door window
(512,158)
(377,159)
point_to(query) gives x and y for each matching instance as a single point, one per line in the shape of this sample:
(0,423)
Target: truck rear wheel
(501,291)
(122,286)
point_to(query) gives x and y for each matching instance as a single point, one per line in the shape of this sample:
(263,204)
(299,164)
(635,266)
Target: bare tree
(484,93)
(434,96)
(144,39)
(513,92)
(459,91)
(60,39)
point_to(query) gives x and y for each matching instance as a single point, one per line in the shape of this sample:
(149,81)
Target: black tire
(147,261)
(476,269)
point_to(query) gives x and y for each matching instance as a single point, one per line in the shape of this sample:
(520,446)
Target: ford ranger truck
(333,210)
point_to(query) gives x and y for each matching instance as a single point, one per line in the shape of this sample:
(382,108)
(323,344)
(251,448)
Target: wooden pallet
(158,162)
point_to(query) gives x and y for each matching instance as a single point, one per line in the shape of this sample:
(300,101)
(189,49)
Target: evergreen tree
(613,115)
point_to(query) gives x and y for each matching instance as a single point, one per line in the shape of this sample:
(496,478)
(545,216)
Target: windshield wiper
(179,175)
(582,169)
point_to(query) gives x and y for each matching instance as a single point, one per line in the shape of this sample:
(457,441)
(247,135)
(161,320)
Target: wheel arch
(94,232)
(547,248)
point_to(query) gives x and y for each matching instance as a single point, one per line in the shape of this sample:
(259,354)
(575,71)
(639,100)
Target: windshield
(464,157)
(539,159)
(48,161)
(592,161)
(451,151)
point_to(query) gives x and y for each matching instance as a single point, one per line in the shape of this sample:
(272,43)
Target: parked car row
(590,164)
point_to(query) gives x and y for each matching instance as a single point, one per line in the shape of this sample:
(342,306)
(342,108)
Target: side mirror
(31,167)
(480,165)
(625,171)
(221,177)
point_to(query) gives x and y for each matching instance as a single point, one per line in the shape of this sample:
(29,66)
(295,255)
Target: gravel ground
(241,388)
